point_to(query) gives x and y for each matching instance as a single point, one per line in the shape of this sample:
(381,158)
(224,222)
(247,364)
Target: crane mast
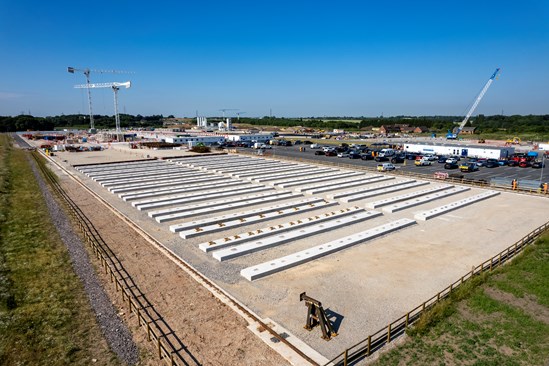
(454,136)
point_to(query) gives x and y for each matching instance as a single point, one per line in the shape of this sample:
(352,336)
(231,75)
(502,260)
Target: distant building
(465,130)
(389,129)
(421,129)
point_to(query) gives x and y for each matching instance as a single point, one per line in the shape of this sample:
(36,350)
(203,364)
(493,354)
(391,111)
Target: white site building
(495,152)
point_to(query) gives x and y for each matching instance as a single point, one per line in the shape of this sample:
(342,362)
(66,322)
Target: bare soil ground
(211,331)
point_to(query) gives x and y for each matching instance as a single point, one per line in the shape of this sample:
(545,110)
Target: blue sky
(298,58)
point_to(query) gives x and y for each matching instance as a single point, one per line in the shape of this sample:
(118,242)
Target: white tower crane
(115,86)
(453,136)
(87,72)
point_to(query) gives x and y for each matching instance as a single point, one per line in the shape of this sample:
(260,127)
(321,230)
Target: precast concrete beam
(196,210)
(424,199)
(381,189)
(426,215)
(254,173)
(150,173)
(359,182)
(246,167)
(249,242)
(180,189)
(166,182)
(307,255)
(244,216)
(99,167)
(407,196)
(193,197)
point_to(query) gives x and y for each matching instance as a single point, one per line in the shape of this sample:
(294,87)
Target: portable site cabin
(494,152)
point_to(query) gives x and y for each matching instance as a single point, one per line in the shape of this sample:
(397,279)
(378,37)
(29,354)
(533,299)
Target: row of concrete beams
(208,159)
(215,163)
(245,216)
(217,206)
(426,215)
(297,224)
(361,181)
(173,175)
(292,181)
(229,224)
(277,170)
(424,199)
(134,168)
(130,175)
(116,166)
(407,196)
(304,172)
(337,182)
(381,189)
(325,177)
(180,189)
(307,255)
(171,200)
(272,241)
(166,182)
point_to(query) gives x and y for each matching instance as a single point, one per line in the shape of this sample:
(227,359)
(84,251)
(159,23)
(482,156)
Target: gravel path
(114,330)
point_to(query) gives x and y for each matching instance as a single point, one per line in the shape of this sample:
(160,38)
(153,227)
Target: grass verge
(500,318)
(45,317)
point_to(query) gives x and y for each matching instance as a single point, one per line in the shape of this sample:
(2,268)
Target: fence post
(407,318)
(345,357)
(389,333)
(369,345)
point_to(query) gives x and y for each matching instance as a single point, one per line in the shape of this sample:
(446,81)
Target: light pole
(542,166)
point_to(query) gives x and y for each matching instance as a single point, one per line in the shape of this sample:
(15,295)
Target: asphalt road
(483,173)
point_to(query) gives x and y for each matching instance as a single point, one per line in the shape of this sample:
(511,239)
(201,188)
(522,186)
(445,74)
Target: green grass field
(502,320)
(45,317)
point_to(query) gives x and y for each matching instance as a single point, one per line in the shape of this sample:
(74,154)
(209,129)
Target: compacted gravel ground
(114,329)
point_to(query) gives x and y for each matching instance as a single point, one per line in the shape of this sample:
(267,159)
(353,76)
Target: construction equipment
(317,316)
(115,86)
(87,72)
(513,141)
(453,136)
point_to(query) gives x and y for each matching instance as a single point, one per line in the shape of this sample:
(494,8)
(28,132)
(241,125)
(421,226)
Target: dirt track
(211,331)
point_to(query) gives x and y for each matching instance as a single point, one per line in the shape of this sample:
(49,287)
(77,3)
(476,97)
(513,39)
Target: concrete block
(424,199)
(180,189)
(307,255)
(305,172)
(296,181)
(426,215)
(166,182)
(336,181)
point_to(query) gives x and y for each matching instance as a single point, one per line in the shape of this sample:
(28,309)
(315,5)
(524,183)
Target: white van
(386,153)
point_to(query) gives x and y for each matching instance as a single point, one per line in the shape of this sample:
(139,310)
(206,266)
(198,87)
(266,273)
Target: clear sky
(298,58)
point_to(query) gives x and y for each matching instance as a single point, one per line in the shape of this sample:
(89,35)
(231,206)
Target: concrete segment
(406,196)
(149,179)
(359,182)
(303,172)
(244,216)
(132,169)
(149,173)
(278,169)
(307,255)
(216,206)
(424,199)
(100,167)
(194,197)
(381,189)
(426,215)
(277,235)
(246,167)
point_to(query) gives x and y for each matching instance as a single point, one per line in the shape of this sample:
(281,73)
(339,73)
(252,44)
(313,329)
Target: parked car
(367,156)
(430,157)
(315,146)
(331,152)
(354,155)
(491,163)
(380,158)
(385,167)
(538,164)
(481,162)
(398,159)
(525,164)
(451,165)
(422,162)
(512,163)
(320,152)
(468,167)
(343,154)
(442,159)
(411,156)
(451,160)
